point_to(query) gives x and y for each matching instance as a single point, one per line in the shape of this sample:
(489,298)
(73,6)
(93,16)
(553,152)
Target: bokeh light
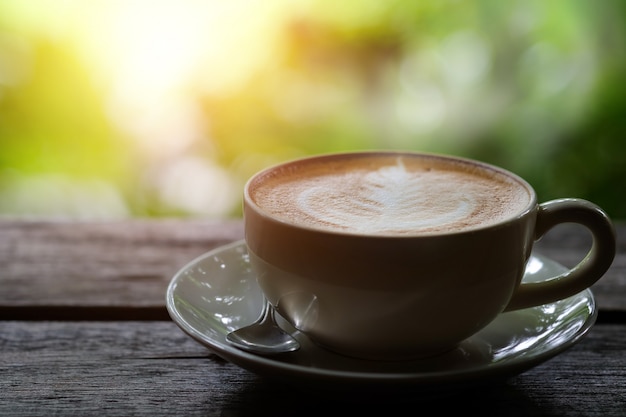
(122,108)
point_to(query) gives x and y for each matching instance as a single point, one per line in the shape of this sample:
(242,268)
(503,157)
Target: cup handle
(588,271)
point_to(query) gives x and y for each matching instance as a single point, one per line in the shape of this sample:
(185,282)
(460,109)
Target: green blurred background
(130,108)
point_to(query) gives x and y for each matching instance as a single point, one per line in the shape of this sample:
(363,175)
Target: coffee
(390,194)
(400,255)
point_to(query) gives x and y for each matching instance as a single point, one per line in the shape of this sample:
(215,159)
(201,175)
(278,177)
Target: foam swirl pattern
(394,198)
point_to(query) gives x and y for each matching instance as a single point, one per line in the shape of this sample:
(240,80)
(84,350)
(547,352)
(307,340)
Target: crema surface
(389,195)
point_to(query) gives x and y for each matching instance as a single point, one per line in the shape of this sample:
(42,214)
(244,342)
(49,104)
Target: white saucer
(217,293)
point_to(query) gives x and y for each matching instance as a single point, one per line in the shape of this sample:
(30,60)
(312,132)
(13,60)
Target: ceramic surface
(217,293)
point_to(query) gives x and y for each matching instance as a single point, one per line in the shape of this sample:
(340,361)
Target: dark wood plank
(101,270)
(119,264)
(152,368)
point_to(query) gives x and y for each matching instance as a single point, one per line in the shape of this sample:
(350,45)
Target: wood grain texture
(113,264)
(121,269)
(153,369)
(97,339)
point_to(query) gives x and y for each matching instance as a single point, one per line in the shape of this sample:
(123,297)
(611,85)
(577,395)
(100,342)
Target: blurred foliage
(89,129)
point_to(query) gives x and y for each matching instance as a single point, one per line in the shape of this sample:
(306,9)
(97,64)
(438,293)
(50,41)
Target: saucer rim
(273,367)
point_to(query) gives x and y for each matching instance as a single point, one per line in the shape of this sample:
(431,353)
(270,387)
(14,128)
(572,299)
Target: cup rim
(251,204)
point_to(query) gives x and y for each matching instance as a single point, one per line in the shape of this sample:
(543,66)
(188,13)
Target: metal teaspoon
(263,336)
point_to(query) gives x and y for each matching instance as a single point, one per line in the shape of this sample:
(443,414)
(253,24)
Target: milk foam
(392,198)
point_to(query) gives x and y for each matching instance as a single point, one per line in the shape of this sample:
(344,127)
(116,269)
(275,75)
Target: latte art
(386,200)
(391,196)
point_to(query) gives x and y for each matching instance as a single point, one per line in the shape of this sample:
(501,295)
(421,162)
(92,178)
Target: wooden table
(84,331)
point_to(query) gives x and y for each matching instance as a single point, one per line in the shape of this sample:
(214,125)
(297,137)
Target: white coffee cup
(398,255)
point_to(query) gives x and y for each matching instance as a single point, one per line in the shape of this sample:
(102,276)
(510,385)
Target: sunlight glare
(154,59)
